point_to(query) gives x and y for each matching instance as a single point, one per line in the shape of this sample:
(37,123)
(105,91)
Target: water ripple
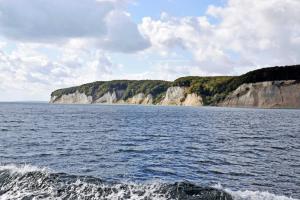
(243,149)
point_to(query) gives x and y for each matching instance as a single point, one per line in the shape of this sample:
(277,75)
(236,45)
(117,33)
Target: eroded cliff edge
(276,87)
(173,96)
(269,94)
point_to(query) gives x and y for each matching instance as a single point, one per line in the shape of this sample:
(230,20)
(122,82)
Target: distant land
(273,87)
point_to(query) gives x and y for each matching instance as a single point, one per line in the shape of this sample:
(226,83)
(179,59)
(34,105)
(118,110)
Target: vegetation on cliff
(211,89)
(264,74)
(206,87)
(129,88)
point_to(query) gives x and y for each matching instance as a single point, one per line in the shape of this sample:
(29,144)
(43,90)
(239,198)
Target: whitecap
(253,195)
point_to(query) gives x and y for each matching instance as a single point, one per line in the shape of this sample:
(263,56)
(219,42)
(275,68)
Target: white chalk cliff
(271,94)
(193,100)
(179,96)
(108,98)
(173,96)
(73,98)
(141,98)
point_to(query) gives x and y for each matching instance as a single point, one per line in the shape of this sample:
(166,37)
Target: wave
(30,182)
(252,195)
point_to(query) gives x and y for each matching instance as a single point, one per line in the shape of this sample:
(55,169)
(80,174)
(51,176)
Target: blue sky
(51,44)
(179,8)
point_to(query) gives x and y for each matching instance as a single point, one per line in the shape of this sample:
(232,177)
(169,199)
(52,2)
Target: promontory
(273,87)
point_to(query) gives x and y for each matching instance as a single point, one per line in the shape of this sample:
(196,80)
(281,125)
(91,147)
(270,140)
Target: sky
(51,44)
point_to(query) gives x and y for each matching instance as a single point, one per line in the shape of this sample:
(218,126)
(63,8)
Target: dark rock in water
(190,191)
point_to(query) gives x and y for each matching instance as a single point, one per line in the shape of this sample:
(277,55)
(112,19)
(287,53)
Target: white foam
(252,195)
(256,195)
(17,187)
(22,169)
(20,188)
(131,191)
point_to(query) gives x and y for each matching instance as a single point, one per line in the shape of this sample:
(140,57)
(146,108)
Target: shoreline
(176,106)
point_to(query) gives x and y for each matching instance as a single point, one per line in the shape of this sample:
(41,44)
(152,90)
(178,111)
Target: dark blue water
(238,149)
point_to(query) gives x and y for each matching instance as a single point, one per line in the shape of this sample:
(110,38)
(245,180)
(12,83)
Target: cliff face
(179,96)
(141,98)
(269,94)
(193,100)
(73,98)
(108,98)
(174,96)
(275,87)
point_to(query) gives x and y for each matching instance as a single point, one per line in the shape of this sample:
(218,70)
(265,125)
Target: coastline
(274,87)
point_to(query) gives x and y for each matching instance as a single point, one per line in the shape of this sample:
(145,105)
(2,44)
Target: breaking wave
(253,195)
(30,182)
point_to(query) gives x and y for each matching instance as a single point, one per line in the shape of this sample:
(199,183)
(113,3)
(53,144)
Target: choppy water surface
(141,150)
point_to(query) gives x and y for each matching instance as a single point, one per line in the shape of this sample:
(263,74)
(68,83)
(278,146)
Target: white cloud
(52,21)
(121,33)
(61,43)
(248,33)
(192,34)
(50,44)
(28,74)
(173,70)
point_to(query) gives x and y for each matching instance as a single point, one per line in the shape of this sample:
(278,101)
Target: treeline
(265,74)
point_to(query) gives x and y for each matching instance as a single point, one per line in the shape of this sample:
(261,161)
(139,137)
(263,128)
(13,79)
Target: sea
(52,151)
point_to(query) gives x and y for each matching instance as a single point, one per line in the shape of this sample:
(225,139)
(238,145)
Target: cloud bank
(52,21)
(247,33)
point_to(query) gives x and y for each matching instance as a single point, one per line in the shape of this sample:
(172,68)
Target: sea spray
(28,182)
(252,195)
